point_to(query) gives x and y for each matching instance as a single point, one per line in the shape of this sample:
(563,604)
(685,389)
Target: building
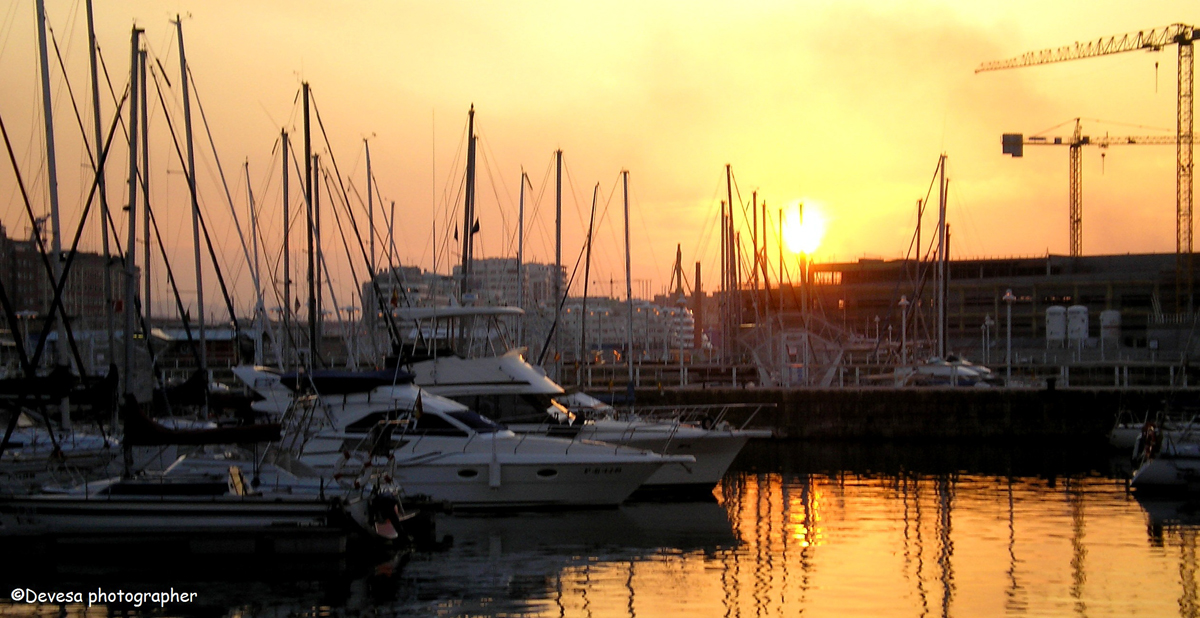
(660,332)
(30,289)
(1145,314)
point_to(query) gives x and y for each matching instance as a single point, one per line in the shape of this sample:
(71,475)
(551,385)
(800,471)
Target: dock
(944,413)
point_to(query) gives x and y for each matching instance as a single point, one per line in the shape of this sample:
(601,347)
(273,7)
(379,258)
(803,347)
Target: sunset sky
(845,106)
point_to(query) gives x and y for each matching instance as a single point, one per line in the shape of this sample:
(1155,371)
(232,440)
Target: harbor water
(795,528)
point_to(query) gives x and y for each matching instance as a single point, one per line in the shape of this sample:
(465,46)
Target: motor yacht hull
(520,473)
(713,449)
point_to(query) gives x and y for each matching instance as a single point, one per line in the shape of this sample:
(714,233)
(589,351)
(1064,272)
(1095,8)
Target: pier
(1076,413)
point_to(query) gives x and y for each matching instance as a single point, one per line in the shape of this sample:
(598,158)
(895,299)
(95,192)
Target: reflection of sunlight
(803,231)
(803,517)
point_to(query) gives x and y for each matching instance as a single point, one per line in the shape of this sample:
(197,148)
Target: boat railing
(520,442)
(705,415)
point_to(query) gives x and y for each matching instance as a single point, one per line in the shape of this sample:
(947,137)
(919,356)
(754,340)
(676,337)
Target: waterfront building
(1064,309)
(660,332)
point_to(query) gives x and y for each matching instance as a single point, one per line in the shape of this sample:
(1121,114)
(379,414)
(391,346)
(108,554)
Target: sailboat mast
(370,208)
(765,271)
(131,246)
(628,288)
(101,185)
(587,275)
(191,178)
(52,182)
(781,273)
(733,303)
(308,204)
(521,261)
(285,346)
(316,232)
(558,268)
(259,309)
(146,298)
(941,259)
(723,303)
(468,208)
(754,244)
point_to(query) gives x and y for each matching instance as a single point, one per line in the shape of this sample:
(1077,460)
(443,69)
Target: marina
(389,364)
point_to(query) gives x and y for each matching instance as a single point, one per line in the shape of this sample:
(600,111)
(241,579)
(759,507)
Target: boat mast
(468,209)
(521,260)
(101,185)
(146,299)
(131,246)
(191,178)
(754,246)
(259,309)
(52,182)
(723,303)
(781,271)
(316,232)
(628,290)
(941,259)
(370,209)
(558,291)
(733,304)
(286,343)
(308,203)
(587,274)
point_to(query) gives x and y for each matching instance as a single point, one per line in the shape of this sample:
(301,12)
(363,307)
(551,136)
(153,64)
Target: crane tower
(1182,36)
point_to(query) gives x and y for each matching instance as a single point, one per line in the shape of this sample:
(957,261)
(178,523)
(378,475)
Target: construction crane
(1014,143)
(1182,36)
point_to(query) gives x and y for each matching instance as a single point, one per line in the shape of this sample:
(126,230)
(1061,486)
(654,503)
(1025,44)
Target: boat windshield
(475,421)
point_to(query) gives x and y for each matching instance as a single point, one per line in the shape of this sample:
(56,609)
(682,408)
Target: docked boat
(204,514)
(506,388)
(700,431)
(32,448)
(442,449)
(501,386)
(1166,462)
(1127,432)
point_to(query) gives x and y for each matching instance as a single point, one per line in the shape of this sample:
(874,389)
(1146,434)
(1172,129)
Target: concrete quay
(1077,413)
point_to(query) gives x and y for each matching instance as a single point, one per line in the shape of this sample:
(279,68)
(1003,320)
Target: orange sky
(845,105)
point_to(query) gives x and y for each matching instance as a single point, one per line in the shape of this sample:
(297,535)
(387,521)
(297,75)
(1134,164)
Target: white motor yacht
(508,389)
(440,448)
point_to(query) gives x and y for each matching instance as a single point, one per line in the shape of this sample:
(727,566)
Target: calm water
(796,528)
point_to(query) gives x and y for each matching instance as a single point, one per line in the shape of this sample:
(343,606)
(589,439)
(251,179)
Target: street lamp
(904,330)
(1009,299)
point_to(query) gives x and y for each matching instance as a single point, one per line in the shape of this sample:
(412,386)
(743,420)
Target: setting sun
(803,228)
